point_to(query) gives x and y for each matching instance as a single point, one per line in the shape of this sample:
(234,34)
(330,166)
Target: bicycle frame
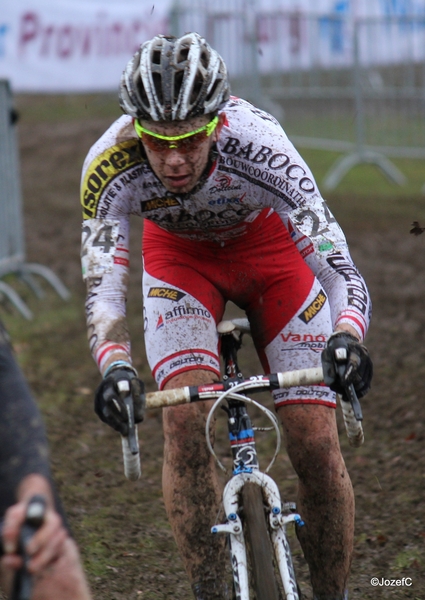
(246,469)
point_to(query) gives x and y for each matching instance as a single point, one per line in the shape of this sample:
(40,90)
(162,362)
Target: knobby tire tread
(260,550)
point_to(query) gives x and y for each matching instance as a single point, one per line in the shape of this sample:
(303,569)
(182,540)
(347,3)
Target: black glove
(108,402)
(346,361)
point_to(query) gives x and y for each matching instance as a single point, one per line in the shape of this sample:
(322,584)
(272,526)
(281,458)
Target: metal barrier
(12,245)
(356,86)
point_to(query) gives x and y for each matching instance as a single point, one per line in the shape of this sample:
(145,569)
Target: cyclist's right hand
(109,405)
(346,361)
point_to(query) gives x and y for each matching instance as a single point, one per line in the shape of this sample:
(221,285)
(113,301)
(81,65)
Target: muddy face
(179,167)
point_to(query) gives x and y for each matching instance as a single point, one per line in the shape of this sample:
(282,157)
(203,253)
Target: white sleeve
(323,246)
(105,263)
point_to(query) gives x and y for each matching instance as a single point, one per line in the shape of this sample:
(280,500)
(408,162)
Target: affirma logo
(160,322)
(187,311)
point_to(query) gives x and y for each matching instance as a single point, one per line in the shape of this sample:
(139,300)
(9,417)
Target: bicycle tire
(260,551)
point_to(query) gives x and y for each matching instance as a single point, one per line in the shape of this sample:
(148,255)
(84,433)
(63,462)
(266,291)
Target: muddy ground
(121,526)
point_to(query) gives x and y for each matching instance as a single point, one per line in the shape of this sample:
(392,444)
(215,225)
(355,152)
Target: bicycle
(256,517)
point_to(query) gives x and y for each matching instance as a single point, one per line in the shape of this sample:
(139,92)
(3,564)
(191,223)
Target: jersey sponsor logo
(166,293)
(326,246)
(274,161)
(312,309)
(183,220)
(187,360)
(316,347)
(226,201)
(147,185)
(224,183)
(309,392)
(263,178)
(356,288)
(104,171)
(306,337)
(182,310)
(159,323)
(156,203)
(306,251)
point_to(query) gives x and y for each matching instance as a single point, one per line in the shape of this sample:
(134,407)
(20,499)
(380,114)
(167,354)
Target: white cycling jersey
(255,168)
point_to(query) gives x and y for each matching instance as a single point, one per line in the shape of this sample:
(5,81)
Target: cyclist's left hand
(355,367)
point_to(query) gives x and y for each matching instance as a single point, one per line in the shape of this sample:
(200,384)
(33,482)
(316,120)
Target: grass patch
(368,183)
(53,108)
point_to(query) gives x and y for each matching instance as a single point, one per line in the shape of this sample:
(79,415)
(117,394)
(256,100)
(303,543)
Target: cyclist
(24,472)
(231,212)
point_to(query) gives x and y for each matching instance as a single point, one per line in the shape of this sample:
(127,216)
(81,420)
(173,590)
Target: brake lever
(349,393)
(124,389)
(130,442)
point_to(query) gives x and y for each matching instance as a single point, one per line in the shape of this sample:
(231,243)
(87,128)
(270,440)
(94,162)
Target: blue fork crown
(242,469)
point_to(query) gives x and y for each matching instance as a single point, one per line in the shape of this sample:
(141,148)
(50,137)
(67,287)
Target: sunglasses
(187,142)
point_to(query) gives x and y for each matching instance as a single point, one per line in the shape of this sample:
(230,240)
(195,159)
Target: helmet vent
(156,57)
(141,92)
(204,59)
(157,82)
(178,80)
(196,89)
(182,55)
(212,91)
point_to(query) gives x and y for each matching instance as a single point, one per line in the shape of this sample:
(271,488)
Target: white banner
(84,45)
(74,45)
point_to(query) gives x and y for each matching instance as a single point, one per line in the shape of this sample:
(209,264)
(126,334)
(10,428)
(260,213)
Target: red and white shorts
(186,285)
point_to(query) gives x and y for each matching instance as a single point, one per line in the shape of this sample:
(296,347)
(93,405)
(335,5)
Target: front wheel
(259,547)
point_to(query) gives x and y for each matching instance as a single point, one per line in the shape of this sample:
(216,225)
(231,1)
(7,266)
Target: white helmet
(172,79)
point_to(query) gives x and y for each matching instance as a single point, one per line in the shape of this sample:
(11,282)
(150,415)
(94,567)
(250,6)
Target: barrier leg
(15,299)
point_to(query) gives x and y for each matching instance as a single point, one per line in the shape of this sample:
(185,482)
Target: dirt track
(121,527)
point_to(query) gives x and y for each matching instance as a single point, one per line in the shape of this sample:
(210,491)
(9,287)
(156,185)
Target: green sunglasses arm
(208,128)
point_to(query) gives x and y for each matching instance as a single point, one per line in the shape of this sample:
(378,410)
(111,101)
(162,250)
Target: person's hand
(109,405)
(45,546)
(346,361)
(51,555)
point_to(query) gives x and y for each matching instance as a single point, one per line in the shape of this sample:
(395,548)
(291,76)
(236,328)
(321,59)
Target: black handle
(36,509)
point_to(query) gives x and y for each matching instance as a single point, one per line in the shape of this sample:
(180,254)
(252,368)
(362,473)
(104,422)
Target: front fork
(278,522)
(246,469)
